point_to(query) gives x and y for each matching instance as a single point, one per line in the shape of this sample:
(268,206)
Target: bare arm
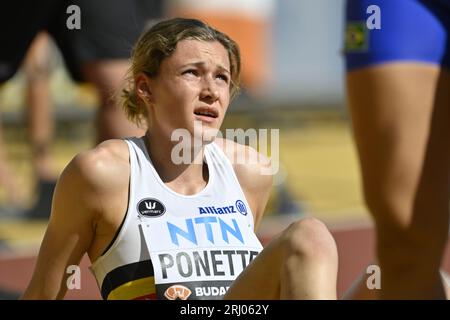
(71,229)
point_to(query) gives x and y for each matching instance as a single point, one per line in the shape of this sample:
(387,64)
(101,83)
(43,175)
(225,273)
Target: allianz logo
(239,206)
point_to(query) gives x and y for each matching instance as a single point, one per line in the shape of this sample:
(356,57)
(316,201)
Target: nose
(209,90)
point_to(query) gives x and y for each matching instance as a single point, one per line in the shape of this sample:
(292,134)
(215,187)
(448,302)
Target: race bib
(199,257)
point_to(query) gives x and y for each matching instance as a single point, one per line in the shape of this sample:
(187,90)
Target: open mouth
(209,113)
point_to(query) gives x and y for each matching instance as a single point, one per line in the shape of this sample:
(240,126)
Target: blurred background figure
(95,46)
(37,69)
(38,66)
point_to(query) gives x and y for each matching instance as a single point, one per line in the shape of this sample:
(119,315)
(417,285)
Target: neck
(184,178)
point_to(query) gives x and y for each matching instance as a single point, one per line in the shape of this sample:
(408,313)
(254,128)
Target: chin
(205,133)
(206,136)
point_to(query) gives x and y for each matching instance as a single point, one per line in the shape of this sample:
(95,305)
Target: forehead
(193,51)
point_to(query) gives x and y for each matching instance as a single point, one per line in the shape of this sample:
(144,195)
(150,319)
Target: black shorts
(109,29)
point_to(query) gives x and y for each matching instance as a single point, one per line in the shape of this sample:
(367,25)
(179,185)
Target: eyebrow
(202,64)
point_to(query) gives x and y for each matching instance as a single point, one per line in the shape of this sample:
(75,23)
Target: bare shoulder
(252,167)
(254,172)
(86,196)
(96,176)
(103,165)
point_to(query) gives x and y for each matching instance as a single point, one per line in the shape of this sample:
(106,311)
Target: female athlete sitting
(158,227)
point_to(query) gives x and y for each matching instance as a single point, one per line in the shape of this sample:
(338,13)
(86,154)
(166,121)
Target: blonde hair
(158,43)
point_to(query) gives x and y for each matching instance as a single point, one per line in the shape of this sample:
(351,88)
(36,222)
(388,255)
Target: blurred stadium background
(293,81)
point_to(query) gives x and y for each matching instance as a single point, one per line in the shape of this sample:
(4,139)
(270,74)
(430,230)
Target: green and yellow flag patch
(356,37)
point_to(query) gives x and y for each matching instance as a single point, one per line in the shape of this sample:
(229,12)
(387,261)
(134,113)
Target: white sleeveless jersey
(174,246)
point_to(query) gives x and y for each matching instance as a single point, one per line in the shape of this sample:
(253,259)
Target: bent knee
(309,237)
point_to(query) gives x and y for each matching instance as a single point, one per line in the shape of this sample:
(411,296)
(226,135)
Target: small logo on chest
(150,207)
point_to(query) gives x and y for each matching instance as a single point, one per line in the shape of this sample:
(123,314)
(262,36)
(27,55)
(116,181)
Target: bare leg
(400,118)
(301,263)
(108,77)
(40,121)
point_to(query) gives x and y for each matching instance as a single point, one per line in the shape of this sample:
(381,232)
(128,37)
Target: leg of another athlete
(359,290)
(108,78)
(301,263)
(400,119)
(39,114)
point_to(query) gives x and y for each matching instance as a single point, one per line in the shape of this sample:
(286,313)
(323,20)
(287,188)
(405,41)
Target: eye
(191,71)
(223,77)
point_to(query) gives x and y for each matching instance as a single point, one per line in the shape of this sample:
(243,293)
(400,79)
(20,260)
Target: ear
(143,90)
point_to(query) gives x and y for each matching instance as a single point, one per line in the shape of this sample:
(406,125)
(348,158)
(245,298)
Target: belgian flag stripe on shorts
(141,289)
(118,280)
